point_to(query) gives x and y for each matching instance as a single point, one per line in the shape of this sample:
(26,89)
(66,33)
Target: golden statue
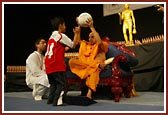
(128,22)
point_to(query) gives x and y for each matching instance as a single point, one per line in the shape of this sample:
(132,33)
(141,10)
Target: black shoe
(49,102)
(44,97)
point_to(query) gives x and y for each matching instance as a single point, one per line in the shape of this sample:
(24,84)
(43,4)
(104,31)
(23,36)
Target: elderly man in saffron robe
(90,60)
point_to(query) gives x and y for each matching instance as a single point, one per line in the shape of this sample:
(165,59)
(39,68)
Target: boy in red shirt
(54,59)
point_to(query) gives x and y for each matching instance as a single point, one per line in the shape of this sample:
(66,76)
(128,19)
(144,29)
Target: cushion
(114,51)
(78,100)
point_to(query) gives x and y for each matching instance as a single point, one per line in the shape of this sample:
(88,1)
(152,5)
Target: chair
(118,75)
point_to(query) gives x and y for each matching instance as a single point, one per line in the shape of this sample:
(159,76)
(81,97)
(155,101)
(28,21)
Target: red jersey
(54,57)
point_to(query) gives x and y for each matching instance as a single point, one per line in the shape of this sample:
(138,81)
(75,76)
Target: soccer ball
(83,17)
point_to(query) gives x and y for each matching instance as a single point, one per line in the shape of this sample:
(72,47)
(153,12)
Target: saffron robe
(85,66)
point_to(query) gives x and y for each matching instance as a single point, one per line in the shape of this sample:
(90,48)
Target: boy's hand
(76,29)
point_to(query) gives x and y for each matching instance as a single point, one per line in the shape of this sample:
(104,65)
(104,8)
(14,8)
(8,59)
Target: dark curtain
(149,73)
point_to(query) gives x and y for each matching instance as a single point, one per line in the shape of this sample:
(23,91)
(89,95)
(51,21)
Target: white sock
(38,98)
(60,102)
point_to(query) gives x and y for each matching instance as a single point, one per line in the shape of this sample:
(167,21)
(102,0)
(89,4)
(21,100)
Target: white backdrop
(109,9)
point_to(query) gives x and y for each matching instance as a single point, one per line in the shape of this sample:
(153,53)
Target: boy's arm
(77,38)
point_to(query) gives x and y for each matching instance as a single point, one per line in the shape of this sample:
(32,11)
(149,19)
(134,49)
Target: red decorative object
(121,47)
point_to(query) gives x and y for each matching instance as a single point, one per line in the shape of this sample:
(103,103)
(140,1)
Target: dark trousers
(58,83)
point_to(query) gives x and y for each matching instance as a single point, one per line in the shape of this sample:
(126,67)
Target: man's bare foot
(89,94)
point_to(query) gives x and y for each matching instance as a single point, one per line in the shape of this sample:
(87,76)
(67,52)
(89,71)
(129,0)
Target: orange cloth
(85,66)
(105,44)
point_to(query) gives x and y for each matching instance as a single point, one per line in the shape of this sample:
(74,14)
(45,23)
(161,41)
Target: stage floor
(145,101)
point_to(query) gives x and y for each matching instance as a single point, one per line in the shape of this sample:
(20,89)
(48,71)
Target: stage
(20,102)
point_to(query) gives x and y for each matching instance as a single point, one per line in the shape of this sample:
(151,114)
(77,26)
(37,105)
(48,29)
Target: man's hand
(102,66)
(161,8)
(89,22)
